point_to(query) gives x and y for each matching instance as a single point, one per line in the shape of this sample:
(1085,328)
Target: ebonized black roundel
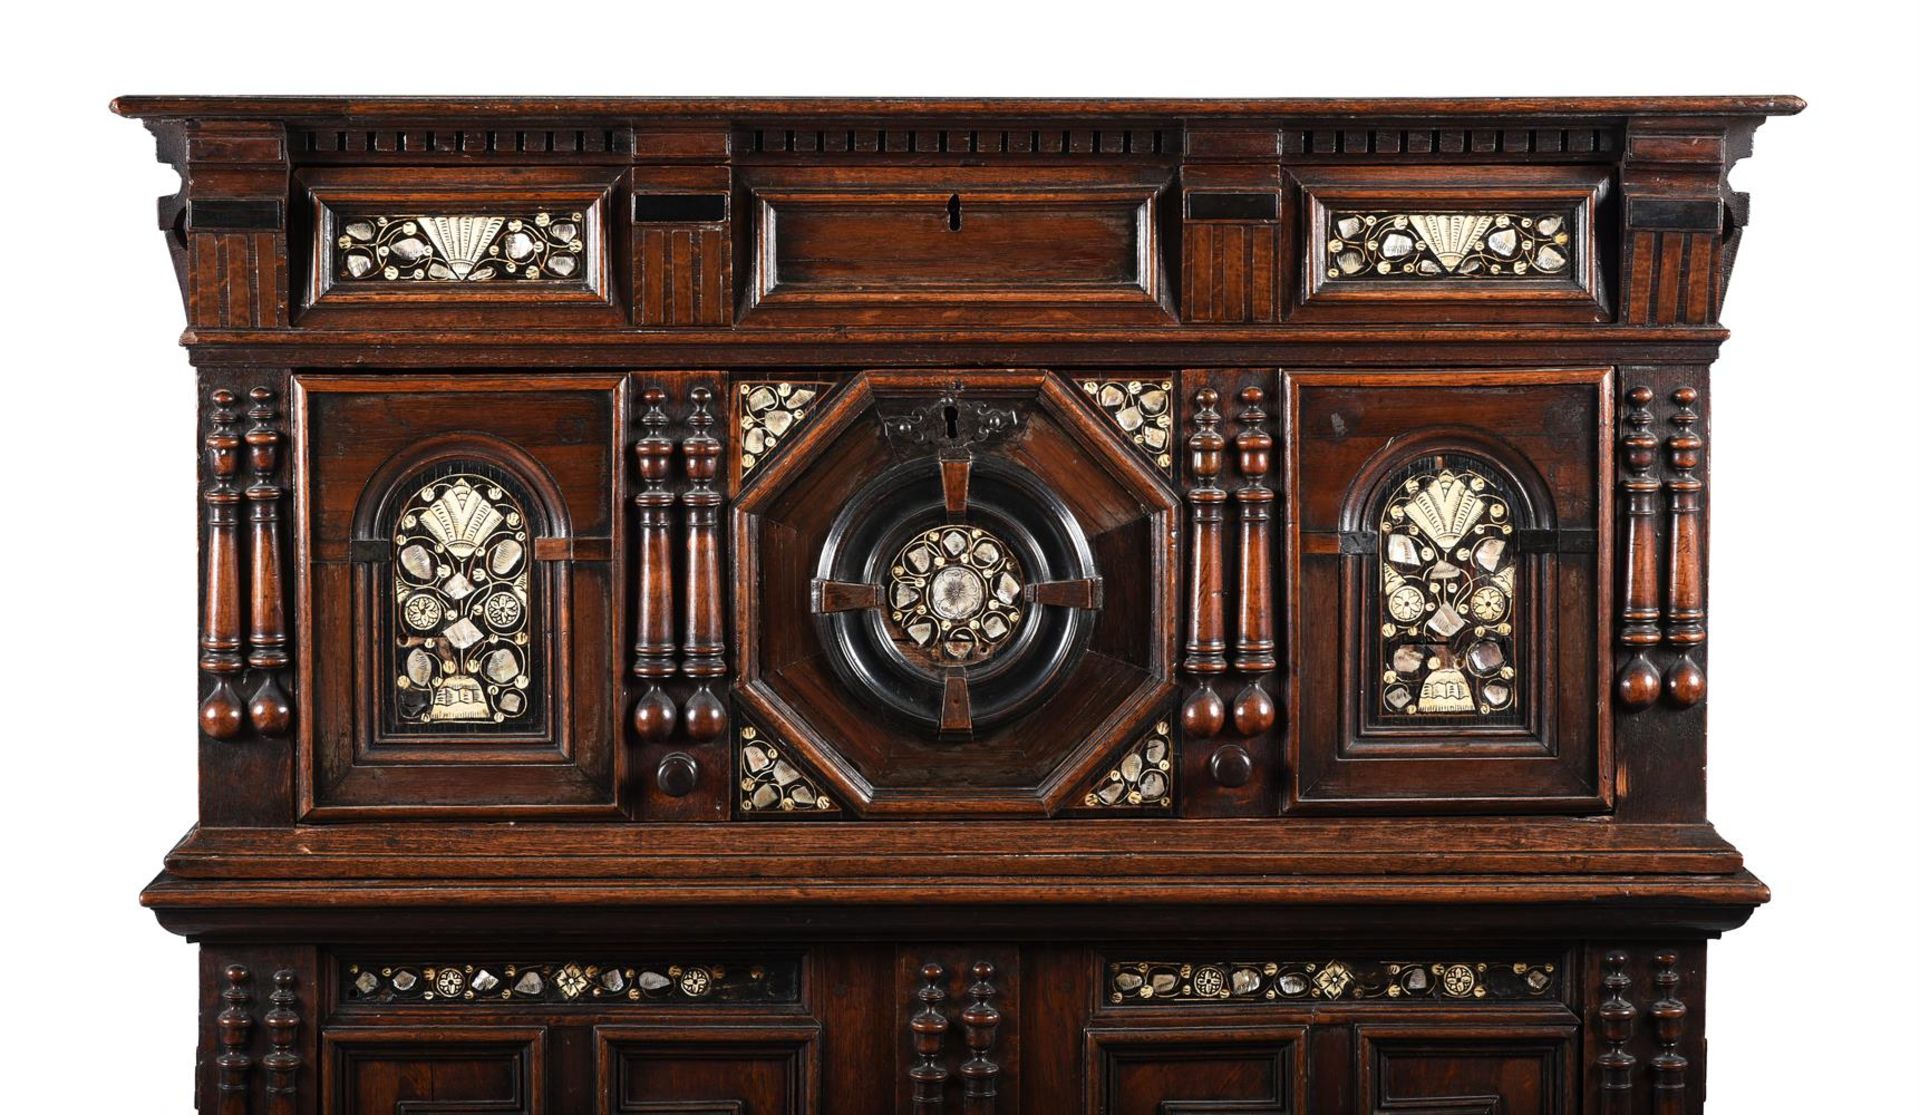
(954,591)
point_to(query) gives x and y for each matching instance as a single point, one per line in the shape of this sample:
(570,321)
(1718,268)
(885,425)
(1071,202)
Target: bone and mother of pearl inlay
(1449,245)
(954,592)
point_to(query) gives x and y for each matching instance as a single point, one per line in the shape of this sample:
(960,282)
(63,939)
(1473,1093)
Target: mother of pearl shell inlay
(954,593)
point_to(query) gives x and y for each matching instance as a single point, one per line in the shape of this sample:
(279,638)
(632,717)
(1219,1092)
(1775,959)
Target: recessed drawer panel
(1454,244)
(834,248)
(503,247)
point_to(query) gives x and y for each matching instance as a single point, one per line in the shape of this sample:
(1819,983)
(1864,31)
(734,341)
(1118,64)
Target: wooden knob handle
(677,774)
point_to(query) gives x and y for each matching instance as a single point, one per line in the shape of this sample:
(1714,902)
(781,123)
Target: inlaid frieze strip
(1142,410)
(1686,559)
(1253,710)
(928,1029)
(770,412)
(572,982)
(1263,981)
(1669,1014)
(704,653)
(772,782)
(283,1030)
(1448,245)
(1616,1030)
(221,714)
(980,1019)
(654,713)
(1205,713)
(1143,778)
(460,247)
(1638,685)
(269,712)
(234,1025)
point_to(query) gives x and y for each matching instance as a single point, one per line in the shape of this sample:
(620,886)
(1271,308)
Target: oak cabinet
(778,607)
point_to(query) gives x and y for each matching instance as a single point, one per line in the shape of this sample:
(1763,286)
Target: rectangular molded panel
(398,1070)
(401,594)
(481,248)
(1456,662)
(1455,244)
(955,246)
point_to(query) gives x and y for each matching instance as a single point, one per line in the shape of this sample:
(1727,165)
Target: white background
(1816,664)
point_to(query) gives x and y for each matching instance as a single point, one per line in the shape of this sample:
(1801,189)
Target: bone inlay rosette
(1447,598)
(1448,245)
(462,603)
(461,247)
(572,982)
(1256,981)
(954,592)
(1143,409)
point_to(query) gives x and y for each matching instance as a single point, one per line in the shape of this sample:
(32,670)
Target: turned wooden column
(221,714)
(705,648)
(1205,713)
(270,712)
(1686,561)
(653,648)
(1253,710)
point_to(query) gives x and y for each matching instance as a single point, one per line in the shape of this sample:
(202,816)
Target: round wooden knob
(677,774)
(1231,765)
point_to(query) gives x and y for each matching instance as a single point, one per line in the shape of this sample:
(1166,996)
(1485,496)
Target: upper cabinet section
(645,220)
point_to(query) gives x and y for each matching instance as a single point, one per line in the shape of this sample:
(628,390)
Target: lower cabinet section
(970,1029)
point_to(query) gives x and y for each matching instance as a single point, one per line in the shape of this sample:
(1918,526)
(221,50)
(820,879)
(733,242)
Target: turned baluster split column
(1205,713)
(1669,1016)
(980,1074)
(235,1026)
(705,647)
(283,1029)
(221,714)
(270,712)
(1638,685)
(1253,710)
(653,648)
(1686,573)
(1616,1030)
(929,1028)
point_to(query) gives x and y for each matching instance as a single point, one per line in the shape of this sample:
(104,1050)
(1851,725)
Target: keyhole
(953,423)
(953,213)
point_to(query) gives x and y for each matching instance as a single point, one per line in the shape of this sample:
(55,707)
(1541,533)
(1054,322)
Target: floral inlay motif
(572,982)
(768,413)
(1144,775)
(1143,409)
(1448,599)
(954,592)
(1448,245)
(462,593)
(1141,981)
(772,783)
(460,247)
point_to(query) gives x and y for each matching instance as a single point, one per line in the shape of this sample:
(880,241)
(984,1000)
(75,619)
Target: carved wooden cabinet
(774,607)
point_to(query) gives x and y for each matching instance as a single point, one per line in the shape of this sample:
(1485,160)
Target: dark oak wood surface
(988,606)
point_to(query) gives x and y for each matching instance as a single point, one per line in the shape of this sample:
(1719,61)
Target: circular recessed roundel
(953,606)
(954,591)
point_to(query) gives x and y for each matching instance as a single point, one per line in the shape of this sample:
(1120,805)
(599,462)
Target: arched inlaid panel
(464,610)
(1449,592)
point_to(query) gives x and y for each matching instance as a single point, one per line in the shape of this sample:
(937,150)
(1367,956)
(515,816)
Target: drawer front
(834,247)
(1450,592)
(399,247)
(1475,244)
(462,598)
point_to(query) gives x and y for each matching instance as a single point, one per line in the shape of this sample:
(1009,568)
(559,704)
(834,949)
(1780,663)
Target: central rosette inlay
(954,592)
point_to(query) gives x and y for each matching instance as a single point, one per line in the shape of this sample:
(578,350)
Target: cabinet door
(722,1069)
(1469,1069)
(462,593)
(1228,1066)
(1451,594)
(392,1070)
